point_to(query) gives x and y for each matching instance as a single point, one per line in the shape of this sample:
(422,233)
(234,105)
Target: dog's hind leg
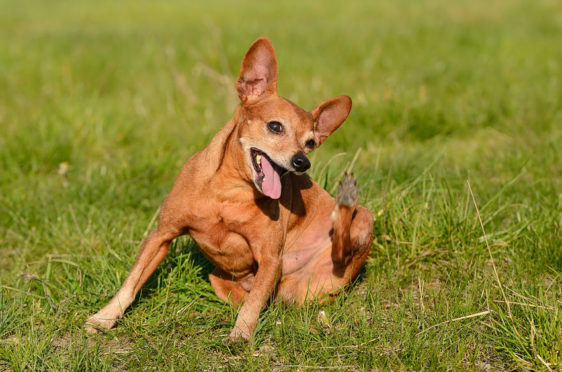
(353,228)
(226,288)
(152,252)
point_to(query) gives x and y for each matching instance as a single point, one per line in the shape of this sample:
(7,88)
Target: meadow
(455,138)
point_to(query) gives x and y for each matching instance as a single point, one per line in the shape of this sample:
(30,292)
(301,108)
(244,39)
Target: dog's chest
(218,233)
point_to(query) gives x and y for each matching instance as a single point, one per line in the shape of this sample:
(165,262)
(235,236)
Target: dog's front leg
(265,280)
(152,252)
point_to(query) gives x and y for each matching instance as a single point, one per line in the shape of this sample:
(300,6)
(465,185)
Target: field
(455,138)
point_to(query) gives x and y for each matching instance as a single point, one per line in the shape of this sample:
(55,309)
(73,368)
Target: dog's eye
(310,144)
(275,127)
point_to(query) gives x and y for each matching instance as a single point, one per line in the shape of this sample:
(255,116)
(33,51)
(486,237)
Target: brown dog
(254,213)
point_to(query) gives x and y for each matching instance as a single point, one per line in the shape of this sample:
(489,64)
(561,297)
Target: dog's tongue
(271,185)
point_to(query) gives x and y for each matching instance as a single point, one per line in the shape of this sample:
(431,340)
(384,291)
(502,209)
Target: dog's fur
(285,236)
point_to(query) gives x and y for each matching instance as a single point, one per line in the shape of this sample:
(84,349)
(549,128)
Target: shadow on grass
(182,249)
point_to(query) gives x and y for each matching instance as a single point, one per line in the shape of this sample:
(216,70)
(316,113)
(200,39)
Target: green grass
(446,94)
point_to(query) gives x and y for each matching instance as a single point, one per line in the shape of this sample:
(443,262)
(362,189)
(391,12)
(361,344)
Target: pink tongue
(271,185)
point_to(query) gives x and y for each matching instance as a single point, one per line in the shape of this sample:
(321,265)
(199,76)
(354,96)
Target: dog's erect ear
(258,73)
(328,117)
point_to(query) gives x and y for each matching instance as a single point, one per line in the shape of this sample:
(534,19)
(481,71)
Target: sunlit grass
(101,104)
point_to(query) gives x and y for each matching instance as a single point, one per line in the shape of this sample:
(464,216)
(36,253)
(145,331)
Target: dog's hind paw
(347,194)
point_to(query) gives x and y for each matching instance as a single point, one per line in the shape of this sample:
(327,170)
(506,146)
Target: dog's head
(276,134)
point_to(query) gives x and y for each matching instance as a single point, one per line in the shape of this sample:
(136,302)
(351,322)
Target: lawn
(455,138)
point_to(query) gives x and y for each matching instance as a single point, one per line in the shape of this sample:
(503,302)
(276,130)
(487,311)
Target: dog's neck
(228,167)
(234,163)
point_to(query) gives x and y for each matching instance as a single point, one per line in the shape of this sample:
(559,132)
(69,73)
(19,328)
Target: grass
(457,118)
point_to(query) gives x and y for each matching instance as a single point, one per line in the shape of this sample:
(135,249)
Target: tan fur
(302,246)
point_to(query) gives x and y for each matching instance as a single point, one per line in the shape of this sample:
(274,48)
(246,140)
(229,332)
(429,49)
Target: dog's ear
(328,117)
(258,72)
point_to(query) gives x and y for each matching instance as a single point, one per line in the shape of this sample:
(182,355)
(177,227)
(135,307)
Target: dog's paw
(96,324)
(347,194)
(238,335)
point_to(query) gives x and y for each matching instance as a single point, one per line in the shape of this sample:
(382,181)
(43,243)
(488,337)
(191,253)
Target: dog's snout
(301,162)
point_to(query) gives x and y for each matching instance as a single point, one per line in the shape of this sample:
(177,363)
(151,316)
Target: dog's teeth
(258,159)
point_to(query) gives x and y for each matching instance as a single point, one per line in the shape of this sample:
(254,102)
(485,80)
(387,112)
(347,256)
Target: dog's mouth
(268,174)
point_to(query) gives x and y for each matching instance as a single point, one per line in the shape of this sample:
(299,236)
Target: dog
(245,199)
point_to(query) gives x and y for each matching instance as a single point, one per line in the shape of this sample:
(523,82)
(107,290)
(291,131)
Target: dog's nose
(301,162)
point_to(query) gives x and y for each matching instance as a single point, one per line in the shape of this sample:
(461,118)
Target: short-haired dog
(246,200)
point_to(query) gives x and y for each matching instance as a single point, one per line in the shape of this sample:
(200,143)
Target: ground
(455,138)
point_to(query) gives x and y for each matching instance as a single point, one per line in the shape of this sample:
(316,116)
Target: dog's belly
(306,261)
(227,250)
(306,242)
(297,259)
